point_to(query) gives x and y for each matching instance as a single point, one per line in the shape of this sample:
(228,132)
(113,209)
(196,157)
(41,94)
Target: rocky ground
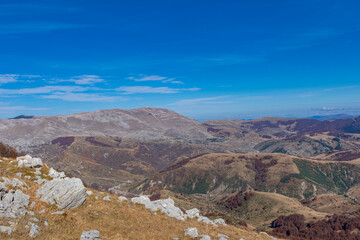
(37,202)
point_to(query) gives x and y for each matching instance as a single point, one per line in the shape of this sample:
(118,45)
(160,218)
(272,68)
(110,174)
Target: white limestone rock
(106,198)
(34,230)
(28,161)
(13,204)
(164,205)
(55,174)
(191,232)
(90,235)
(8,230)
(206,220)
(220,221)
(192,213)
(89,193)
(65,193)
(122,198)
(204,237)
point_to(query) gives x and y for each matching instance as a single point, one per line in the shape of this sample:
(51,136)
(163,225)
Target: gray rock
(191,232)
(164,205)
(55,174)
(41,211)
(89,193)
(220,221)
(65,193)
(13,204)
(205,220)
(32,204)
(13,182)
(58,212)
(106,198)
(193,213)
(90,235)
(204,237)
(28,161)
(8,230)
(46,223)
(122,198)
(19,174)
(34,230)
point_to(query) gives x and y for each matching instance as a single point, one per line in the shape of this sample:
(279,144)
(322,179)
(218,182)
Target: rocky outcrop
(192,213)
(55,174)
(28,161)
(90,235)
(164,205)
(65,193)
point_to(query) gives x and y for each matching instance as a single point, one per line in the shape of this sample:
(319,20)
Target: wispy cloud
(147,78)
(42,90)
(7,78)
(84,79)
(212,100)
(29,27)
(148,89)
(81,97)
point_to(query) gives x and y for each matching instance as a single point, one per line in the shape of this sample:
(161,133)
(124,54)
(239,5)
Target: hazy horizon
(204,59)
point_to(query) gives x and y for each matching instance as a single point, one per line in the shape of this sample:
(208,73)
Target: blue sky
(203,58)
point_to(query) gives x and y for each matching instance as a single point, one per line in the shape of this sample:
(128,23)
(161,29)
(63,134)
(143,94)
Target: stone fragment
(90,235)
(192,213)
(34,230)
(191,232)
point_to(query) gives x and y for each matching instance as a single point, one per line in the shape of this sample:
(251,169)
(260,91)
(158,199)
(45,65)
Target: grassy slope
(114,219)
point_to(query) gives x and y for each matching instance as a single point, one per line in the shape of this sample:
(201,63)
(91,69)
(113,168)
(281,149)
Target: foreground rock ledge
(65,193)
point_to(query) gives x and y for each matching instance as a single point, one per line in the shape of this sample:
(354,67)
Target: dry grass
(114,219)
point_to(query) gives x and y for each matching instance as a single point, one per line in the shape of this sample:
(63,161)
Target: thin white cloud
(7,78)
(146,78)
(148,89)
(85,79)
(42,90)
(81,97)
(199,101)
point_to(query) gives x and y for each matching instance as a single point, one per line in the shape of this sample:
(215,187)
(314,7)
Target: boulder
(65,193)
(90,235)
(28,161)
(13,204)
(220,221)
(55,174)
(122,198)
(204,237)
(193,213)
(191,232)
